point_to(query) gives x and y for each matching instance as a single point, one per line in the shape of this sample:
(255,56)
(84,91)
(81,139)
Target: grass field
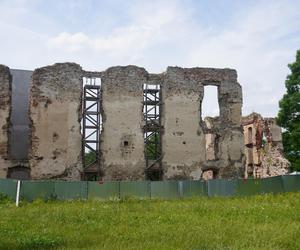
(258,222)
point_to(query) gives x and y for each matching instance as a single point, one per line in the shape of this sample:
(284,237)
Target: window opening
(210,103)
(91,127)
(152,131)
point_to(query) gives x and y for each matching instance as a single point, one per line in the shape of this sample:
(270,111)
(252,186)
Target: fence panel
(164,189)
(248,187)
(198,188)
(220,187)
(70,190)
(140,189)
(8,187)
(272,185)
(31,190)
(63,190)
(192,188)
(291,183)
(103,190)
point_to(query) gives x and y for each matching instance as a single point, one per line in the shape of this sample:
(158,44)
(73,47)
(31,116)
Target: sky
(257,38)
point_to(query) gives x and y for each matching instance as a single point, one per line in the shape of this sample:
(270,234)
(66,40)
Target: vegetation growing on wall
(90,157)
(150,147)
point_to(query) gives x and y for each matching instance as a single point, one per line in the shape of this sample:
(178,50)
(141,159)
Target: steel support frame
(152,131)
(91,128)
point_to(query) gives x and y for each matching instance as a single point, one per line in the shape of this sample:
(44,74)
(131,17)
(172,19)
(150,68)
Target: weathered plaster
(184,140)
(55,114)
(5,110)
(122,143)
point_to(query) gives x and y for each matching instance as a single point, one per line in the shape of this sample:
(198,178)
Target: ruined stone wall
(122,143)
(183,139)
(272,159)
(184,145)
(273,132)
(55,114)
(263,147)
(191,148)
(5,110)
(231,147)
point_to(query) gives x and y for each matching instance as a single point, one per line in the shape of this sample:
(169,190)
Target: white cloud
(151,23)
(258,41)
(121,40)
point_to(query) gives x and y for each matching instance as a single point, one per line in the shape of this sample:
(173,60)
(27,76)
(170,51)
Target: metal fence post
(180,188)
(18,193)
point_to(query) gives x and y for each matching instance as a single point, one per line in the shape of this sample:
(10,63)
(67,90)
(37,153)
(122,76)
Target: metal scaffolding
(152,131)
(91,128)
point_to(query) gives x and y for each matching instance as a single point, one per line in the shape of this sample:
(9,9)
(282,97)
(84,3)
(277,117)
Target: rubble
(263,147)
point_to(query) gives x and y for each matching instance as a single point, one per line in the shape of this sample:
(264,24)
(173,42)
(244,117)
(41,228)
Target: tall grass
(258,222)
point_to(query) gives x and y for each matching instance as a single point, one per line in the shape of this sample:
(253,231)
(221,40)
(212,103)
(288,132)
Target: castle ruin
(263,147)
(138,125)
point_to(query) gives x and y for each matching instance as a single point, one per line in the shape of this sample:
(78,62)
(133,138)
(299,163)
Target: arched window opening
(209,174)
(250,135)
(19,173)
(250,156)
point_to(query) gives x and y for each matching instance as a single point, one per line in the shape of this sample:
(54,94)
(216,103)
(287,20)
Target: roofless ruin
(136,125)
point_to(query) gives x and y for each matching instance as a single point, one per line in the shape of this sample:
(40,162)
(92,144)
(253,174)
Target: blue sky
(257,38)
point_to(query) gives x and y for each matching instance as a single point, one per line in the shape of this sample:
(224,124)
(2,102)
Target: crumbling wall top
(252,118)
(58,82)
(206,76)
(120,73)
(5,77)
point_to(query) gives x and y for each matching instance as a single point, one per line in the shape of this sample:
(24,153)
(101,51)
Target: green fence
(8,187)
(103,190)
(220,187)
(62,190)
(248,187)
(32,190)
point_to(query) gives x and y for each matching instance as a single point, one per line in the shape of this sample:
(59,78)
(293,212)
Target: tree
(289,115)
(90,157)
(152,146)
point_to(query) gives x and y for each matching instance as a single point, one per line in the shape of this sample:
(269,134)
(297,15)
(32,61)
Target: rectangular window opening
(91,127)
(152,130)
(210,103)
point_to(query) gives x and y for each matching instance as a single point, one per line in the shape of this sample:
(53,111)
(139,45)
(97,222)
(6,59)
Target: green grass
(258,222)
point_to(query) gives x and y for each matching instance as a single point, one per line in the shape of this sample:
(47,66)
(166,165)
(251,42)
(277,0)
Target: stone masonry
(5,110)
(263,147)
(184,132)
(122,144)
(55,114)
(192,147)
(184,140)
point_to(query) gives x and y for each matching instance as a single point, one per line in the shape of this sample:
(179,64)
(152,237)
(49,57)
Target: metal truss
(152,131)
(91,128)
